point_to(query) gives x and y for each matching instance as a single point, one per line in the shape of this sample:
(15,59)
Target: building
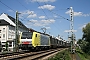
(7,30)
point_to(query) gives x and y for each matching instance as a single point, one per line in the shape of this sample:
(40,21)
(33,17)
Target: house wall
(11,35)
(11,32)
(7,33)
(7,30)
(3,35)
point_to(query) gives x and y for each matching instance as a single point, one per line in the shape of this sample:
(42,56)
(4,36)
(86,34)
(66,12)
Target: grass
(82,55)
(64,55)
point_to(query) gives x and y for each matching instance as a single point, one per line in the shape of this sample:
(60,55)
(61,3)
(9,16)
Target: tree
(86,33)
(86,37)
(82,43)
(79,41)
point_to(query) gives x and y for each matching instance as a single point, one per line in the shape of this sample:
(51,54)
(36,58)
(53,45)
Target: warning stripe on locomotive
(26,42)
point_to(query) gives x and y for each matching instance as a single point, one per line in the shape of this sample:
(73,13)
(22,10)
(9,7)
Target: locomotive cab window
(36,35)
(26,35)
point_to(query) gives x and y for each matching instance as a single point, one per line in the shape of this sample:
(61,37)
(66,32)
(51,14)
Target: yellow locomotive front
(26,40)
(34,40)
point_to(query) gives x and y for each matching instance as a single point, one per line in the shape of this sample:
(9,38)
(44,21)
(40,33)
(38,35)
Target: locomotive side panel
(44,39)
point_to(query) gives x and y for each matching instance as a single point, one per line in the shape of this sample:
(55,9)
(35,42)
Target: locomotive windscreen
(26,35)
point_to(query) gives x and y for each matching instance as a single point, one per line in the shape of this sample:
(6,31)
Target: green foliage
(82,43)
(86,33)
(64,55)
(86,37)
(86,48)
(79,41)
(82,55)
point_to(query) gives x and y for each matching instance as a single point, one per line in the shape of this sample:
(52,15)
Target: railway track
(5,55)
(31,55)
(12,53)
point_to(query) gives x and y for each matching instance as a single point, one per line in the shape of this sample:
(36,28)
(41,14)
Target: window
(4,29)
(0,31)
(36,35)
(27,35)
(10,43)
(3,45)
(3,35)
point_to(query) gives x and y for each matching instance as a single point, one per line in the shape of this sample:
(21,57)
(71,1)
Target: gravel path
(75,56)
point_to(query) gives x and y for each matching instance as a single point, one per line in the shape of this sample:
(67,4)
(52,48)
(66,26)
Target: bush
(86,49)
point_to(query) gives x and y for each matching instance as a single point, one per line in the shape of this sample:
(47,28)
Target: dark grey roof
(20,24)
(3,22)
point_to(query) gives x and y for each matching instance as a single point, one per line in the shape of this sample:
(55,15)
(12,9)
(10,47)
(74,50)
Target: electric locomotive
(34,40)
(38,41)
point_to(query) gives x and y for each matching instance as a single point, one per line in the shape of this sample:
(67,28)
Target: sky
(50,14)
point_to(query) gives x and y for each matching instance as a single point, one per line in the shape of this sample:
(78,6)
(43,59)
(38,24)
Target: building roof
(11,20)
(4,17)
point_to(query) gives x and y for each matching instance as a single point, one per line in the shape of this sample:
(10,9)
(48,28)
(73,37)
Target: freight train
(37,40)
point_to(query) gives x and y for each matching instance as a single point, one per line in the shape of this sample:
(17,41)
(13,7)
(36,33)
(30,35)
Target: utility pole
(72,37)
(16,31)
